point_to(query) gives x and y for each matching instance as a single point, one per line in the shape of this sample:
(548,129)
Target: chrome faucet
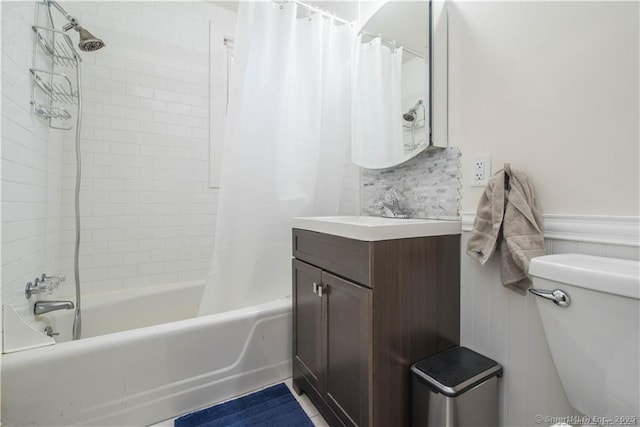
(390,207)
(42,307)
(43,284)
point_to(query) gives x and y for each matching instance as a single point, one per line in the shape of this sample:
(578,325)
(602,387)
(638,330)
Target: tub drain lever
(49,332)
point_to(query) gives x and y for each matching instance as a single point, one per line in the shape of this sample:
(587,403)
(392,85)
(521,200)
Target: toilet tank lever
(558,296)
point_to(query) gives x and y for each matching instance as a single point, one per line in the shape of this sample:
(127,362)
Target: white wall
(31,165)
(552,88)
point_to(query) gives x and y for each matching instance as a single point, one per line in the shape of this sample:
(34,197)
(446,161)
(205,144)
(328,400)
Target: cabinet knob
(315,288)
(320,291)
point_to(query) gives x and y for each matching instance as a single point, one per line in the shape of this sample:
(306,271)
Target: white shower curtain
(287,133)
(377,105)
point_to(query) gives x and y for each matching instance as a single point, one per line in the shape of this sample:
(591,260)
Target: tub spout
(42,307)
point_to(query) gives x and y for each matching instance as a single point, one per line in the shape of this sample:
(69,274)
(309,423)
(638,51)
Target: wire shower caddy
(54,94)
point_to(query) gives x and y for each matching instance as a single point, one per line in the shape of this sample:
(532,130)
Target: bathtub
(137,377)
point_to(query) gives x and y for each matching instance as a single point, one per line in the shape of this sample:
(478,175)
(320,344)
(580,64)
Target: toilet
(590,311)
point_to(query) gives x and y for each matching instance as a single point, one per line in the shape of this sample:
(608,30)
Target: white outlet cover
(480,164)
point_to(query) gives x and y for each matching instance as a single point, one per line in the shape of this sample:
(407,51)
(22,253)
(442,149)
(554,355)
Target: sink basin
(372,228)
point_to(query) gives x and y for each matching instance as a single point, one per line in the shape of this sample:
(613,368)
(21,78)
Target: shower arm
(73,21)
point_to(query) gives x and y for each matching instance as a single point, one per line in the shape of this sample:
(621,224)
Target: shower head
(88,42)
(412,114)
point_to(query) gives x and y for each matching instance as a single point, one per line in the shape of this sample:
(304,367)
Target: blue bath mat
(274,406)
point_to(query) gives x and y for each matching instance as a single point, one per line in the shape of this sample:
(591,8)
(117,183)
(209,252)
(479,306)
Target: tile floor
(303,400)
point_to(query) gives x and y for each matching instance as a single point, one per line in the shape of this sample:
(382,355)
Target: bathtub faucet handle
(52,281)
(60,277)
(37,287)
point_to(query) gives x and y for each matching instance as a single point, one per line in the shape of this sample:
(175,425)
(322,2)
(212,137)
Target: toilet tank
(595,341)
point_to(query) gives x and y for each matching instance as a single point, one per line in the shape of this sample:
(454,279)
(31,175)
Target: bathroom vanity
(370,297)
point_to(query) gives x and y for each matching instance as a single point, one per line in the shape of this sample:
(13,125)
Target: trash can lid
(455,371)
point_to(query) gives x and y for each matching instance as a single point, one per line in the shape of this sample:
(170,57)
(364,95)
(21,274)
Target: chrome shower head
(410,116)
(88,42)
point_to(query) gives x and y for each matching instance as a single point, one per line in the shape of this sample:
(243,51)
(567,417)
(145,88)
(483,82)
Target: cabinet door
(349,350)
(308,342)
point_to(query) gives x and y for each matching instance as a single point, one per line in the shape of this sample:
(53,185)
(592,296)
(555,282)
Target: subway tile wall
(31,165)
(148,214)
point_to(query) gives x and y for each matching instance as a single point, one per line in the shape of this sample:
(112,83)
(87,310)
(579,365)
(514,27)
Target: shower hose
(77,318)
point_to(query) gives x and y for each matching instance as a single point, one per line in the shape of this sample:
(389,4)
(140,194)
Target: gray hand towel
(508,212)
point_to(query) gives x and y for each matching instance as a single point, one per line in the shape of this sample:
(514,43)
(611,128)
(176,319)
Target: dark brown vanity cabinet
(363,312)
(332,340)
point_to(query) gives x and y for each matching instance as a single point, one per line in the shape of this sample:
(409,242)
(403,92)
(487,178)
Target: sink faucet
(390,207)
(42,307)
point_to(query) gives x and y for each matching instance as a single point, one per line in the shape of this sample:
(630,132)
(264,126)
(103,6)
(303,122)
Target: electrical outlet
(480,170)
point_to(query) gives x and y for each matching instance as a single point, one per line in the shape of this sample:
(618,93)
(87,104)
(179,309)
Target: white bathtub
(142,376)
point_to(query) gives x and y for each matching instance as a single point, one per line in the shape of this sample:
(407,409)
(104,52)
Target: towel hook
(507,176)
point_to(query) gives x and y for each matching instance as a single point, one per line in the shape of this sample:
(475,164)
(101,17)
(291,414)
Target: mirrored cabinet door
(400,83)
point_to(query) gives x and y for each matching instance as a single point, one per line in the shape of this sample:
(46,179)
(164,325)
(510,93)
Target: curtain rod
(393,43)
(316,10)
(344,21)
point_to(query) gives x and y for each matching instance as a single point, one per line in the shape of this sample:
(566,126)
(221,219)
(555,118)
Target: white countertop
(371,228)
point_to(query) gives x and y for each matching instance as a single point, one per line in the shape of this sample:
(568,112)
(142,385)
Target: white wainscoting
(506,326)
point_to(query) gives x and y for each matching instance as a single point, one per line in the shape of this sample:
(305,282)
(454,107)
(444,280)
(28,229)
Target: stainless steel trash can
(457,387)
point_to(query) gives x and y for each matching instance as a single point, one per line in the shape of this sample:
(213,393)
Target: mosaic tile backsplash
(427,186)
